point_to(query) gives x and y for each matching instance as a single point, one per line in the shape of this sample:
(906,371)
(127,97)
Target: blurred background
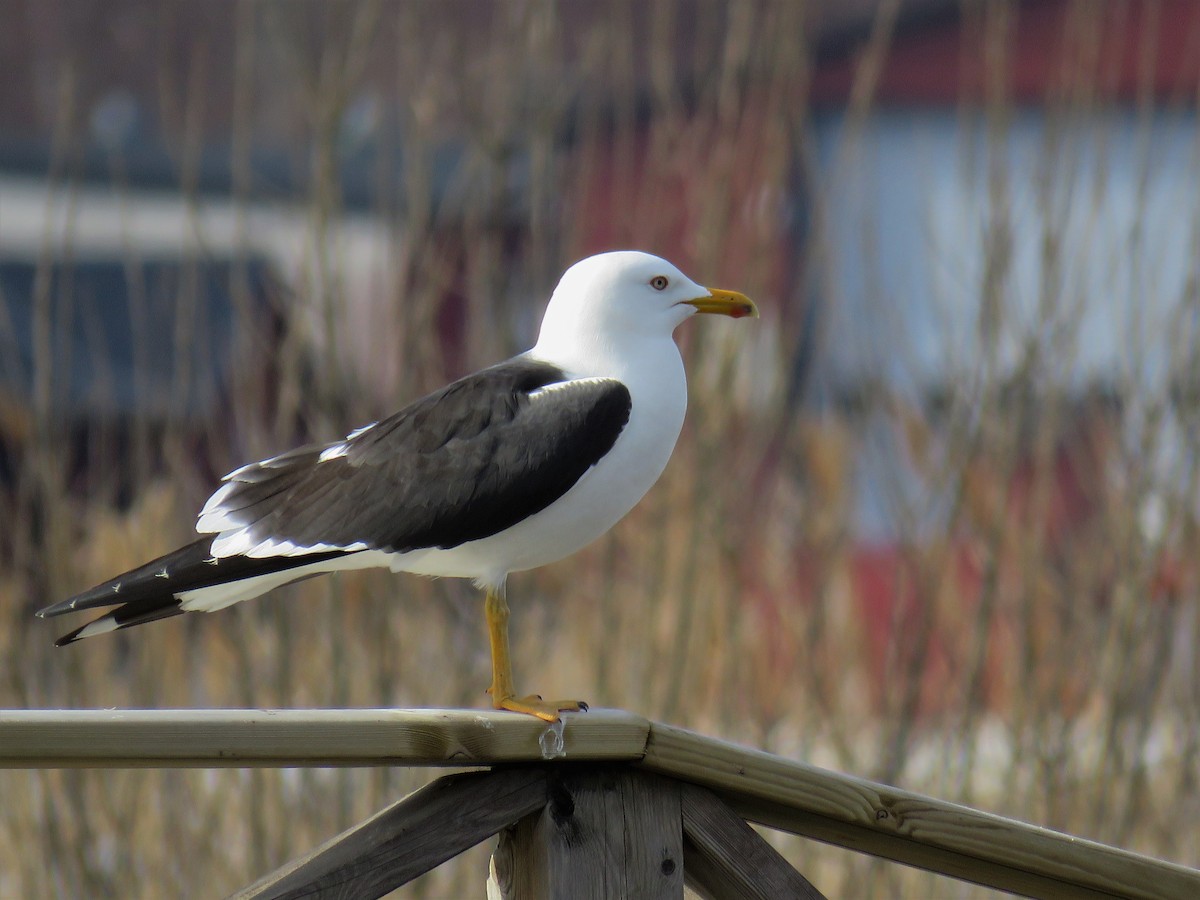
(931,520)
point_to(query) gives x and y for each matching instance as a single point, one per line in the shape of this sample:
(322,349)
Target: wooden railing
(605,798)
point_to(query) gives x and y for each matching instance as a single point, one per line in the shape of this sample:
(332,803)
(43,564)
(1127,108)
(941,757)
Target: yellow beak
(725,303)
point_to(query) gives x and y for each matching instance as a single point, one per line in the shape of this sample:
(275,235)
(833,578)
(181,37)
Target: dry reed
(1048,675)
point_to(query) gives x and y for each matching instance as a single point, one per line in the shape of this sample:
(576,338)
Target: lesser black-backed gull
(510,468)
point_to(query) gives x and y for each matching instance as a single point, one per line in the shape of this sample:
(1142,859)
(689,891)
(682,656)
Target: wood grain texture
(604,833)
(725,857)
(409,838)
(910,828)
(309,737)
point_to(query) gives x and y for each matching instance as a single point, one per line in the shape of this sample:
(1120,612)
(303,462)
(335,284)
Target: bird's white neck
(602,354)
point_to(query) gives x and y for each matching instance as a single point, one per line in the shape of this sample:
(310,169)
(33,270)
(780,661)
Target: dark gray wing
(463,463)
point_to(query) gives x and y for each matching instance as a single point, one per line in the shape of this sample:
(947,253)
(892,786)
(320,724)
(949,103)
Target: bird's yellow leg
(504,694)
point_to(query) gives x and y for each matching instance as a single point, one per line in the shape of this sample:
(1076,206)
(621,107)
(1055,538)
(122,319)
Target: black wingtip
(58,609)
(127,616)
(72,637)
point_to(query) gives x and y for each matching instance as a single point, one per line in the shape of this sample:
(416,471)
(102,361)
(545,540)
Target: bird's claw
(534,705)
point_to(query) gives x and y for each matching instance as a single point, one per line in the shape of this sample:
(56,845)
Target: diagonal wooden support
(409,838)
(724,857)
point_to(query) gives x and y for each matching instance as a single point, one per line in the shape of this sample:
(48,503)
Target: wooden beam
(725,857)
(910,828)
(310,737)
(603,833)
(978,869)
(409,838)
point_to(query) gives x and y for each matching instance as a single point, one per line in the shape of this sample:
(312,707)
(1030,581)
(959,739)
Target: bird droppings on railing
(551,740)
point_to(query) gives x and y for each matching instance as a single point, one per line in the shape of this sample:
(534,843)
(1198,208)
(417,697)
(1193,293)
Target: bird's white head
(612,299)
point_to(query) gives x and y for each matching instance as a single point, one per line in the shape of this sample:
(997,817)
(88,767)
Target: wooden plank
(725,857)
(911,828)
(409,838)
(604,833)
(310,737)
(652,823)
(987,872)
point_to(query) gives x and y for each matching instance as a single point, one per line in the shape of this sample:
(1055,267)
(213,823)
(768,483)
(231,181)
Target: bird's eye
(659,282)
